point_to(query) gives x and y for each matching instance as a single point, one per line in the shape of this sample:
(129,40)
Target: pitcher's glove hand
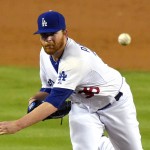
(60,113)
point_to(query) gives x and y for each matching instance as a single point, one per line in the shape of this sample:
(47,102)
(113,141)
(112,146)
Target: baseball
(124,39)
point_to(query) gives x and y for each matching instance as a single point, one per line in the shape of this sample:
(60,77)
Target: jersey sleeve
(42,71)
(71,74)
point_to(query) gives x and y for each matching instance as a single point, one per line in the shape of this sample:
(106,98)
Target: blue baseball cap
(50,21)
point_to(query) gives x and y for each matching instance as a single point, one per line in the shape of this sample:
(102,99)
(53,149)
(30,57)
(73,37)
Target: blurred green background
(17,84)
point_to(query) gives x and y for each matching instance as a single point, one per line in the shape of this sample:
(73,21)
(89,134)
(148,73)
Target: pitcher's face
(53,42)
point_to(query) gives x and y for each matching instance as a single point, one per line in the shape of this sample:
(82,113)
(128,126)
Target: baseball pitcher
(100,97)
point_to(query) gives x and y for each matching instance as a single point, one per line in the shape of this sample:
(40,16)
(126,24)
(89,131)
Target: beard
(53,47)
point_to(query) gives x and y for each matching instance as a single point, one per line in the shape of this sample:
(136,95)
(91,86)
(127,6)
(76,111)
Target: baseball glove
(60,113)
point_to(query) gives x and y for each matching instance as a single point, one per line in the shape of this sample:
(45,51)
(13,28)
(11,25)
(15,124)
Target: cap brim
(47,31)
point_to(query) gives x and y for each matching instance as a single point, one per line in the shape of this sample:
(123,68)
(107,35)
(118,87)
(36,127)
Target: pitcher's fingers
(2,132)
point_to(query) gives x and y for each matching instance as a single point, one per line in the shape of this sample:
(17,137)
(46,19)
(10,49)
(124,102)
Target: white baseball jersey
(81,70)
(95,86)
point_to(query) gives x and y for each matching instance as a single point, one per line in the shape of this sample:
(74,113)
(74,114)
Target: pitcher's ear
(65,32)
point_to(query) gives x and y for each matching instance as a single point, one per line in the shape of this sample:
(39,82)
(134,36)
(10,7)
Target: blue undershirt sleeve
(47,90)
(58,96)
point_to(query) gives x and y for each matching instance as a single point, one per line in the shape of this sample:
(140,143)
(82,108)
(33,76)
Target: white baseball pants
(119,120)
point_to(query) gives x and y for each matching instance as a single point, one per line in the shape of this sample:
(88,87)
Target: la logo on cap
(44,23)
(50,21)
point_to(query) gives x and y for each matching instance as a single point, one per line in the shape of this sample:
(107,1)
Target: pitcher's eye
(45,35)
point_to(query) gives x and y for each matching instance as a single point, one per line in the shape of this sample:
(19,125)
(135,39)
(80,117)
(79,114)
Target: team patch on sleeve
(62,77)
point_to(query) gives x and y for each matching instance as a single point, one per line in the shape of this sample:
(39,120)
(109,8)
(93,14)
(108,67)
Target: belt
(117,97)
